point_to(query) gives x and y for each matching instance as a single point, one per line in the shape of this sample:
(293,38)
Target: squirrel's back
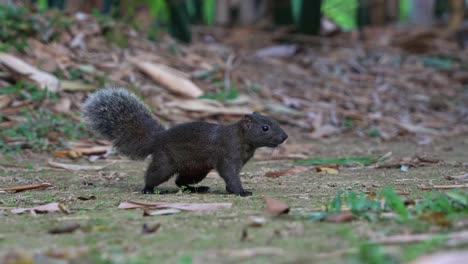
(120,116)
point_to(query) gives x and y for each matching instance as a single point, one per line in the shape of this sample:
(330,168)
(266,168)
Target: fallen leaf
(327,170)
(82,198)
(63,105)
(43,79)
(5,100)
(252,252)
(462,177)
(75,167)
(94,150)
(293,170)
(208,106)
(437,218)
(161,212)
(443,187)
(244,234)
(278,51)
(443,258)
(17,257)
(170,78)
(28,187)
(65,229)
(257,221)
(77,86)
(150,229)
(275,207)
(50,207)
(340,217)
(181,206)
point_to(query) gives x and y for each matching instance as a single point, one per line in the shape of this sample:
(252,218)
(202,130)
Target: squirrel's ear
(247,121)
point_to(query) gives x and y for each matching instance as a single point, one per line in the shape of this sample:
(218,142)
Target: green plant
(26,91)
(41,126)
(16,26)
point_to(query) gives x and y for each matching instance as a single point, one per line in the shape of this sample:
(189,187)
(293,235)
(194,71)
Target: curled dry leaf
(170,78)
(149,229)
(75,167)
(43,79)
(341,217)
(461,177)
(275,207)
(50,207)
(82,198)
(293,170)
(65,229)
(327,169)
(209,107)
(28,187)
(161,212)
(180,206)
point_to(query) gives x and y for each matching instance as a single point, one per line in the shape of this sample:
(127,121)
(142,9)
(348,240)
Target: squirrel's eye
(265,128)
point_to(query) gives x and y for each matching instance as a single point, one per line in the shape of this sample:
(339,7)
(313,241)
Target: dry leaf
(327,170)
(150,229)
(42,79)
(65,229)
(293,170)
(181,206)
(161,212)
(50,207)
(95,150)
(75,167)
(63,105)
(275,207)
(82,198)
(170,78)
(209,107)
(28,187)
(5,100)
(341,217)
(462,177)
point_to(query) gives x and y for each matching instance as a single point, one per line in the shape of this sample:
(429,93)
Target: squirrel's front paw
(245,193)
(148,190)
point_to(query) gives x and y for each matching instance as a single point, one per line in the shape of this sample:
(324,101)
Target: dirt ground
(109,234)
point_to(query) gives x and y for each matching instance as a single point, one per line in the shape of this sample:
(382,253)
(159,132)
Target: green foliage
(394,202)
(437,62)
(209,9)
(373,253)
(341,12)
(362,160)
(28,91)
(373,132)
(39,125)
(222,95)
(16,25)
(387,200)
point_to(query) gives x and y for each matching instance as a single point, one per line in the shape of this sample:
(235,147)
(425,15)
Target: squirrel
(190,150)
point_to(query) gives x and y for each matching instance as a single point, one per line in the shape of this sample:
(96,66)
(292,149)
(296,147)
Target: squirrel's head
(262,131)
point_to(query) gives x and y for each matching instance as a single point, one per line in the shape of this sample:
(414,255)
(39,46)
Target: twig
(28,187)
(412,238)
(443,187)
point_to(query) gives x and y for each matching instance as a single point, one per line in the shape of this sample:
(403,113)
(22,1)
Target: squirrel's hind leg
(184,179)
(159,171)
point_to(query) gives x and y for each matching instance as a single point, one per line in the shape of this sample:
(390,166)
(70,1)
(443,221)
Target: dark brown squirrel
(189,150)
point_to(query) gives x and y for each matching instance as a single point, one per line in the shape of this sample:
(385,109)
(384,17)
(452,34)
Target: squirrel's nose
(284,136)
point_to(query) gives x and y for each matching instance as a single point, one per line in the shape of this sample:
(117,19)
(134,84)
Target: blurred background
(380,69)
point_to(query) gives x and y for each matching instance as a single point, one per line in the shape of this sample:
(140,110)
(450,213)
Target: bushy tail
(119,116)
